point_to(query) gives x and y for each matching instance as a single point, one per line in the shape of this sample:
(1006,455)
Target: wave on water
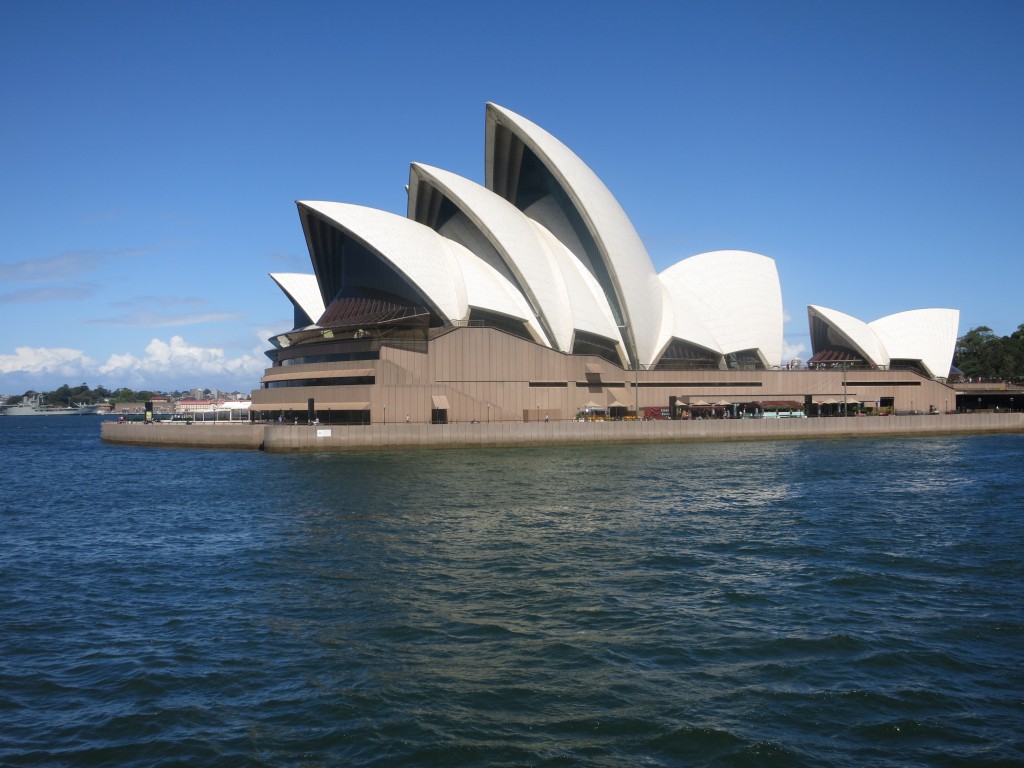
(818,603)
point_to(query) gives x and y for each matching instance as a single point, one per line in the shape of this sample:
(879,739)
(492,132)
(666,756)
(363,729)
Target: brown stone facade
(482,374)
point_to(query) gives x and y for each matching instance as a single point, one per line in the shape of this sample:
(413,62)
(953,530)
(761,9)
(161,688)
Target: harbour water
(799,603)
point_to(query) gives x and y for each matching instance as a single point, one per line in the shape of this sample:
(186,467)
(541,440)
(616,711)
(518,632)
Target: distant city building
(192,406)
(533,297)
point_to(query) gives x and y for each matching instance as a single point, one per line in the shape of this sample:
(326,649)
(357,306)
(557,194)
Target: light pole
(385,413)
(636,392)
(845,406)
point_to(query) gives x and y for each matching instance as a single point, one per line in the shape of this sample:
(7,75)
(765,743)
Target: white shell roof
(723,301)
(545,269)
(628,264)
(928,335)
(589,306)
(417,252)
(303,292)
(489,289)
(728,301)
(525,253)
(448,275)
(682,321)
(857,333)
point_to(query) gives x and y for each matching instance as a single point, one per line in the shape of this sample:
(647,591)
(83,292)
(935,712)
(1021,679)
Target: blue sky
(151,154)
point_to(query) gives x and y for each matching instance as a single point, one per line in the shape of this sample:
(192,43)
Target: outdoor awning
(440,402)
(618,398)
(834,356)
(292,375)
(592,404)
(724,402)
(700,402)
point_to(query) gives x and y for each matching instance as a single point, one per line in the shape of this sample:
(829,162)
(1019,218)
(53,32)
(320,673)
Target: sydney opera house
(532,297)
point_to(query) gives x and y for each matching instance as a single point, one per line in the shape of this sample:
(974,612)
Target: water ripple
(830,603)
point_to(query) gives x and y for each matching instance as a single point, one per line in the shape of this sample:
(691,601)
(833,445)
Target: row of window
(336,357)
(333,381)
(690,384)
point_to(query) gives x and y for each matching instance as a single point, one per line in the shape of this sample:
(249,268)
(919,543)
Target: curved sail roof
(488,289)
(417,253)
(588,305)
(545,244)
(840,328)
(523,253)
(928,335)
(534,260)
(681,319)
(304,294)
(732,297)
(583,214)
(447,276)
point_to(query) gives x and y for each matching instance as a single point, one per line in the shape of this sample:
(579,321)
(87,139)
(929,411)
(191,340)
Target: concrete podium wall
(513,434)
(402,436)
(242,435)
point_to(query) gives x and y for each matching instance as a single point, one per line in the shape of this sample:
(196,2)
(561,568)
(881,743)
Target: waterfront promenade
(286,438)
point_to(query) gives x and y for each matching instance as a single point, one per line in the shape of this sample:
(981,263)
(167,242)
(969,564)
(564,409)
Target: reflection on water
(796,603)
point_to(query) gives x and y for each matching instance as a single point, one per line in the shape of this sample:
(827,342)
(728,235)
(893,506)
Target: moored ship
(32,405)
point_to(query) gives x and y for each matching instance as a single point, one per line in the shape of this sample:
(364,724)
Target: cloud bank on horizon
(173,364)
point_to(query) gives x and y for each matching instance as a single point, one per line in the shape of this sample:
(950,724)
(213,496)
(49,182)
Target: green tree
(980,352)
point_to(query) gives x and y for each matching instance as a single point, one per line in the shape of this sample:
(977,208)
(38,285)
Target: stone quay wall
(278,438)
(170,434)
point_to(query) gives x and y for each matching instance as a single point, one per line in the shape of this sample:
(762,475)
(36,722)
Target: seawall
(277,438)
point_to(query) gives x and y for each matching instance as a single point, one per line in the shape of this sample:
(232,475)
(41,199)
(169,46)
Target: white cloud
(178,360)
(790,350)
(41,360)
(163,365)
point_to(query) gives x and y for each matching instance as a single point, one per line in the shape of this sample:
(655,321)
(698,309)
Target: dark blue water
(819,603)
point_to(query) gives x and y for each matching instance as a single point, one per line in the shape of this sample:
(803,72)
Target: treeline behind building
(83,393)
(981,353)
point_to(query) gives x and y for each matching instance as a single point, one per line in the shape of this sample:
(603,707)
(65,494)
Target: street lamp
(385,413)
(845,406)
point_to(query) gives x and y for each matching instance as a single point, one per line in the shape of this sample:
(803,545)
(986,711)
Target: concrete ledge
(380,437)
(240,435)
